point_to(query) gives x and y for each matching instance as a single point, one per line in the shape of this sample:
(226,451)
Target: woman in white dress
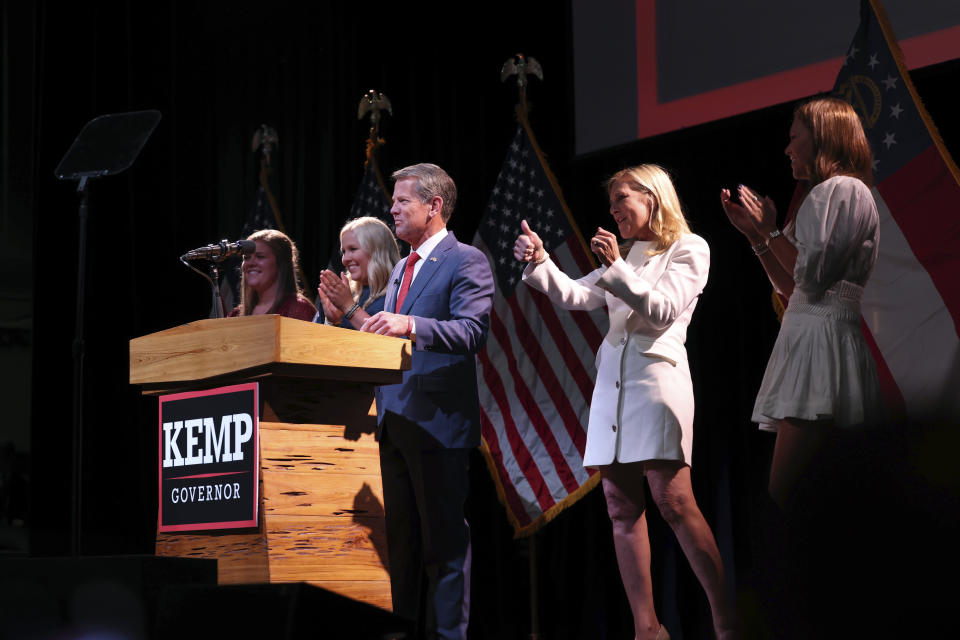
(821,375)
(641,414)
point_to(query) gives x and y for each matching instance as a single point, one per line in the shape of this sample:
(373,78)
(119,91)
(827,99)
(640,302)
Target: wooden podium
(321,499)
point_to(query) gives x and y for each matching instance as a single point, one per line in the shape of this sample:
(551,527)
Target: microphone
(221,250)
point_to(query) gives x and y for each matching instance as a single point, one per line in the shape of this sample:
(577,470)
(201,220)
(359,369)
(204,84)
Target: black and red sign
(209,459)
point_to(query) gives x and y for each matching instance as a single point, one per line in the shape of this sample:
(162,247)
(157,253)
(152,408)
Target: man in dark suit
(439,297)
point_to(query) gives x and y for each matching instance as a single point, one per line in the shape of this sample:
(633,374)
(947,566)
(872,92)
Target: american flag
(536,372)
(911,304)
(370,200)
(261,216)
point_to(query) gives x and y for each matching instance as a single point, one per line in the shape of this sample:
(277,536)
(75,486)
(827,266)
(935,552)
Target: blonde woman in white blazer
(641,414)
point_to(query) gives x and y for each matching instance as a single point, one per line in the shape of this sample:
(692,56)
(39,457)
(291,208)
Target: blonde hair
(287,257)
(667,221)
(377,241)
(840,146)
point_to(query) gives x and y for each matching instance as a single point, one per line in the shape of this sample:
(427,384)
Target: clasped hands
(385,323)
(529,246)
(754,216)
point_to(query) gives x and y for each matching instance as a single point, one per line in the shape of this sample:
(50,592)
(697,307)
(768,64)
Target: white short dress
(642,404)
(821,367)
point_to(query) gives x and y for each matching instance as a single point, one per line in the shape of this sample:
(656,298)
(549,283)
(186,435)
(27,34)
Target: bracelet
(774,234)
(353,310)
(760,248)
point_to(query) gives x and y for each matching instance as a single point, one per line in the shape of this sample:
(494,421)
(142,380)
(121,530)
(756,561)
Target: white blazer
(642,406)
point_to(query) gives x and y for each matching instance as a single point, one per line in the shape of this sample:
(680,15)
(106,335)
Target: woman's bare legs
(791,588)
(798,442)
(672,491)
(623,489)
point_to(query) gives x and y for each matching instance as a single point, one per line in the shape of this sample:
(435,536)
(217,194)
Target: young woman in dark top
(269,279)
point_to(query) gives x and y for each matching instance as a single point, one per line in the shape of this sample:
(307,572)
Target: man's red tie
(407,279)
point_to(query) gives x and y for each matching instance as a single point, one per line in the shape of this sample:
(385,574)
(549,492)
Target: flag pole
(534,589)
(264,140)
(371,104)
(891,38)
(524,66)
(515,403)
(371,198)
(521,65)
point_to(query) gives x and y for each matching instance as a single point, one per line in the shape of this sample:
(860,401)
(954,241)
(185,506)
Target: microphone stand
(79,349)
(216,310)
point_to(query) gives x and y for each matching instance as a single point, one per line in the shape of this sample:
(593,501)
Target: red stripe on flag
(534,414)
(582,318)
(531,344)
(589,329)
(587,326)
(922,197)
(510,494)
(548,313)
(892,396)
(576,251)
(520,452)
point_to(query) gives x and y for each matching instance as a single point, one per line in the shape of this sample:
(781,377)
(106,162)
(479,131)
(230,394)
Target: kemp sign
(209,459)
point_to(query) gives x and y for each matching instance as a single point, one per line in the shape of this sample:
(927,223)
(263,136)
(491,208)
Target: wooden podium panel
(321,498)
(252,345)
(321,517)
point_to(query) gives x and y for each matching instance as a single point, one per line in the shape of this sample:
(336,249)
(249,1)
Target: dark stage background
(216,71)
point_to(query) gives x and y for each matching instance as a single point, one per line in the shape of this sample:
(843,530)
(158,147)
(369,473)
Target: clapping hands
(335,295)
(753,216)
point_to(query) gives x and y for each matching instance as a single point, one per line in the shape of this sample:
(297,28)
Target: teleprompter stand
(106,145)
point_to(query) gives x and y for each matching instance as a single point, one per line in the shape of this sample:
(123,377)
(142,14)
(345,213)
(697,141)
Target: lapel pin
(432,259)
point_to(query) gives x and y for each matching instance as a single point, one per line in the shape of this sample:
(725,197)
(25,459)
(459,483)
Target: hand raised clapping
(330,310)
(336,289)
(753,216)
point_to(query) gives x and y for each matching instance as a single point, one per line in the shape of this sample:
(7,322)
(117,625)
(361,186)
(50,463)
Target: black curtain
(216,71)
